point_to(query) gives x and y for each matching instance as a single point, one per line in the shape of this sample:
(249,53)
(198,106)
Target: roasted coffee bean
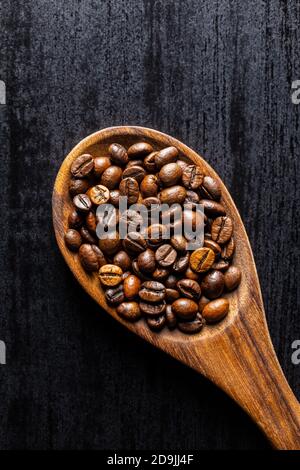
(98,194)
(82,166)
(100,165)
(132,286)
(202,259)
(134,242)
(212,208)
(151,201)
(165,255)
(171,281)
(114,197)
(139,149)
(160,274)
(91,257)
(212,245)
(228,250)
(165,156)
(182,263)
(91,222)
(210,188)
(183,164)
(232,278)
(87,237)
(171,320)
(78,186)
(73,239)
(146,261)
(185,309)
(115,295)
(212,285)
(136,172)
(110,243)
(189,288)
(215,310)
(192,221)
(153,310)
(156,323)
(170,174)
(110,275)
(172,218)
(75,219)
(192,327)
(118,154)
(111,177)
(139,273)
(191,200)
(129,188)
(179,242)
(190,274)
(171,295)
(202,302)
(149,186)
(129,311)
(156,234)
(221,229)
(173,195)
(149,162)
(131,220)
(221,265)
(152,291)
(131,163)
(122,259)
(82,202)
(108,217)
(192,177)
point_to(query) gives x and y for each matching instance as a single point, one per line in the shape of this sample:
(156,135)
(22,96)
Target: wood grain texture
(216,75)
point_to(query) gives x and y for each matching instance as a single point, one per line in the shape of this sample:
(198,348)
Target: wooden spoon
(236,354)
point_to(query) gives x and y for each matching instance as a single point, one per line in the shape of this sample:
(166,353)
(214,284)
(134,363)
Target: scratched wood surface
(215,74)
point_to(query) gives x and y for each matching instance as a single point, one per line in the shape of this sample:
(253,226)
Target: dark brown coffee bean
(212,208)
(212,285)
(130,311)
(149,186)
(132,286)
(134,242)
(73,239)
(90,257)
(129,188)
(78,186)
(191,200)
(165,255)
(75,220)
(182,263)
(110,275)
(82,166)
(189,288)
(215,310)
(160,274)
(190,274)
(170,174)
(179,242)
(172,295)
(156,323)
(171,281)
(221,229)
(111,177)
(191,327)
(186,309)
(202,302)
(173,195)
(110,243)
(220,265)
(146,261)
(115,295)
(118,154)
(138,272)
(152,291)
(136,172)
(165,156)
(87,237)
(135,163)
(82,202)
(212,245)
(122,259)
(149,163)
(202,259)
(171,320)
(98,194)
(156,234)
(232,278)
(228,250)
(91,222)
(153,310)
(100,165)
(114,197)
(192,177)
(210,188)
(139,149)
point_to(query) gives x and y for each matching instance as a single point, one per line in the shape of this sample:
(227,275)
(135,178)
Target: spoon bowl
(236,354)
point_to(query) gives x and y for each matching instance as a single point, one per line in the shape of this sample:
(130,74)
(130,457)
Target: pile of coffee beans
(152,277)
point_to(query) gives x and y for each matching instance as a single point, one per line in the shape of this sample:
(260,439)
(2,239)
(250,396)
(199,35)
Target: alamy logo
(2,353)
(2,92)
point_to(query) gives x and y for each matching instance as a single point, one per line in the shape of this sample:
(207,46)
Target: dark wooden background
(215,74)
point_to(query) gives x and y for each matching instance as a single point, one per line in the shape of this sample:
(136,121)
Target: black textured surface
(215,74)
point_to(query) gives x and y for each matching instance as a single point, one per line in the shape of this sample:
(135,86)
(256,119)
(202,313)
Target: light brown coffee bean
(140,149)
(114,197)
(129,188)
(132,286)
(98,194)
(136,172)
(221,229)
(173,195)
(130,311)
(118,154)
(111,177)
(232,278)
(179,242)
(100,165)
(228,250)
(82,166)
(202,259)
(149,186)
(210,188)
(212,208)
(215,310)
(110,275)
(192,177)
(165,156)
(73,239)
(186,309)
(165,255)
(149,163)
(170,174)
